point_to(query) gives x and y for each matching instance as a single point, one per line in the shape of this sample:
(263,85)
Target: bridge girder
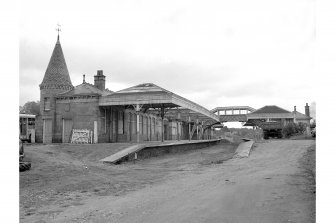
(233,118)
(226,109)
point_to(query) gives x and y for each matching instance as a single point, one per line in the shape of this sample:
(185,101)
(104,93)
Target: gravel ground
(272,185)
(66,175)
(276,184)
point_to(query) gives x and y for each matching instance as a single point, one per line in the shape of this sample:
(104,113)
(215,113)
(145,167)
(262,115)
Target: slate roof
(57,76)
(143,88)
(149,95)
(150,88)
(270,109)
(273,111)
(86,89)
(299,115)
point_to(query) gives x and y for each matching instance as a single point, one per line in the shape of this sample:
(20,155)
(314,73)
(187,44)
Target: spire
(57,76)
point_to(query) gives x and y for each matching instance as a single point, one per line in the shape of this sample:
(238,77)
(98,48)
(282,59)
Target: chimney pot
(100,72)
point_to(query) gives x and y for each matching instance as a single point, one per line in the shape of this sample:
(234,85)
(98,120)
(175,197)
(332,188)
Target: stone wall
(82,112)
(39,129)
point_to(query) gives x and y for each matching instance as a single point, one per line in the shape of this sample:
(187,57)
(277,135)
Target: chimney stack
(307,110)
(99,80)
(294,114)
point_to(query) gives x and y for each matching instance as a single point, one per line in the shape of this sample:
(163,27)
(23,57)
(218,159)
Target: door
(47,131)
(166,133)
(67,130)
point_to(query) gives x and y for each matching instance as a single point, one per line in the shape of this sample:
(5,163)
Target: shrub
(301,127)
(288,130)
(291,129)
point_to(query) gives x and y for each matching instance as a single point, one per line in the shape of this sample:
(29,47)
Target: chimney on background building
(307,110)
(294,114)
(99,80)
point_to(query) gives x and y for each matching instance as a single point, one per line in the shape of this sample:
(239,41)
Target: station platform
(244,148)
(151,149)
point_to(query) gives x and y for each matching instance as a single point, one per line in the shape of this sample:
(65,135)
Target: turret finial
(58,30)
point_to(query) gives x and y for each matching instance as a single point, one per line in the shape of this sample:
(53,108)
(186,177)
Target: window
(103,121)
(46,104)
(31,123)
(120,122)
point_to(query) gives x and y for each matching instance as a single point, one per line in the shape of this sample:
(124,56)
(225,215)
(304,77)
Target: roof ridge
(139,85)
(164,90)
(281,108)
(257,110)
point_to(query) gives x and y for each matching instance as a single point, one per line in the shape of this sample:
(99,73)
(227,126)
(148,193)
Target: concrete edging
(243,149)
(143,151)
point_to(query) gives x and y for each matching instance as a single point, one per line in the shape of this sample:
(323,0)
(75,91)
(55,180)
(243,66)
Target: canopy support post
(162,116)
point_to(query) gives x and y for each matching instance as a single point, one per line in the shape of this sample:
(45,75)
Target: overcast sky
(215,53)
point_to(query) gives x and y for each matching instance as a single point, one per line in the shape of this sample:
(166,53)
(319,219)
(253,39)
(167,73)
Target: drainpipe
(137,123)
(105,120)
(162,115)
(178,132)
(189,128)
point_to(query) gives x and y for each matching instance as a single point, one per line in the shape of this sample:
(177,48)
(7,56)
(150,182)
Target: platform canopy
(150,98)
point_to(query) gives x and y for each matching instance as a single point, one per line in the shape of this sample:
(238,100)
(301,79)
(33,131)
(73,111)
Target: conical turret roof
(57,76)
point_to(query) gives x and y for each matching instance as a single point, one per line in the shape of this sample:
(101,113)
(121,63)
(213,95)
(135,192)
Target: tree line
(30,107)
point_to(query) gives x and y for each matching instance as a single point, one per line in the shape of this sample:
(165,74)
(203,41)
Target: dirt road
(275,184)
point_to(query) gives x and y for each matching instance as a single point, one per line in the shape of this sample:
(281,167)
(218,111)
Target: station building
(278,114)
(269,113)
(145,112)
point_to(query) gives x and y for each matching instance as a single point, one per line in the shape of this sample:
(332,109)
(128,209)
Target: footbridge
(233,113)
